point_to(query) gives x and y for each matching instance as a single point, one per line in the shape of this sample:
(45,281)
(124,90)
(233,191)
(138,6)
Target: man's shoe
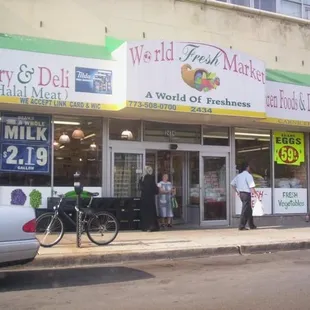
(253,227)
(243,228)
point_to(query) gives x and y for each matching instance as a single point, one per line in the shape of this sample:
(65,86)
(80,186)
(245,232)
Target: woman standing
(165,201)
(148,206)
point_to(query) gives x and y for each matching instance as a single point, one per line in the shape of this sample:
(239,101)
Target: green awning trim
(40,45)
(288,77)
(112,43)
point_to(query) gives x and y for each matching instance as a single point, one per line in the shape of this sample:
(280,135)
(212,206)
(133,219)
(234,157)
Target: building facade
(194,104)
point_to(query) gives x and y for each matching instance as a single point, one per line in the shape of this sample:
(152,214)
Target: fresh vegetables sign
(293,200)
(289,148)
(25,143)
(194,77)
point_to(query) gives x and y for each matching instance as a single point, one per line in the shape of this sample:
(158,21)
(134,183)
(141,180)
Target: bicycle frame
(86,219)
(61,213)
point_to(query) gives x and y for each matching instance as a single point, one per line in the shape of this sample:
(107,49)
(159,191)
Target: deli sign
(195,74)
(47,80)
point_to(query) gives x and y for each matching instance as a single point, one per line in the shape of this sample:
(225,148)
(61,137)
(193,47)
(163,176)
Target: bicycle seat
(94,194)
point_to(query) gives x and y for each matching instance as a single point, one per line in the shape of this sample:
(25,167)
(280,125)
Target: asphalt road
(267,281)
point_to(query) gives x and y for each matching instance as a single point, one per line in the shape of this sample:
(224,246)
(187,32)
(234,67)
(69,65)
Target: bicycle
(89,220)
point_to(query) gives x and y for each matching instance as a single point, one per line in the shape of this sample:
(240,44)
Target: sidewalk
(138,245)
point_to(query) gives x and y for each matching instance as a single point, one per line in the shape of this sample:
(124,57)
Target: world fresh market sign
(194,77)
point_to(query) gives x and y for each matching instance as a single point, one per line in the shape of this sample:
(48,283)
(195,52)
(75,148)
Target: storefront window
(77,147)
(216,136)
(214,188)
(125,130)
(254,147)
(290,167)
(287,176)
(173,133)
(128,169)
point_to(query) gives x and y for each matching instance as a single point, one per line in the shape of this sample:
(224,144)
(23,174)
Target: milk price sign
(25,143)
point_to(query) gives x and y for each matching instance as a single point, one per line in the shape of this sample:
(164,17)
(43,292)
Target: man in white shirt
(244,186)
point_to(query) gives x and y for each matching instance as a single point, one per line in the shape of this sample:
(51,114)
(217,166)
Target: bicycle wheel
(102,228)
(49,230)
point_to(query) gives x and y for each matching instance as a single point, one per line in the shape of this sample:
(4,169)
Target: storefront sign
(93,81)
(46,80)
(289,148)
(287,104)
(290,200)
(194,77)
(25,143)
(264,196)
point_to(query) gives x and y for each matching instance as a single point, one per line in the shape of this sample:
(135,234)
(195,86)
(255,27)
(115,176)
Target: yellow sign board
(62,103)
(289,148)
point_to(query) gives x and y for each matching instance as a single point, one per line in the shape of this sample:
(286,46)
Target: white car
(18,243)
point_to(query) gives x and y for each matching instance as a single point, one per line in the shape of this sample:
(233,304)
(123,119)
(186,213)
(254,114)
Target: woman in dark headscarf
(149,190)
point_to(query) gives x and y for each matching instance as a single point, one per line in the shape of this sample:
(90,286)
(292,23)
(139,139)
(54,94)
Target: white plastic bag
(258,209)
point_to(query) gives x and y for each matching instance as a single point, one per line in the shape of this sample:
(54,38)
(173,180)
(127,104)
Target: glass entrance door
(214,198)
(173,164)
(177,179)
(127,171)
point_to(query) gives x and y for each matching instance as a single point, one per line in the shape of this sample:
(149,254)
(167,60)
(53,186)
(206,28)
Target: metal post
(78,190)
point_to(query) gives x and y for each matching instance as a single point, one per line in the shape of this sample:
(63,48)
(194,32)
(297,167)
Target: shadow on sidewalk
(18,280)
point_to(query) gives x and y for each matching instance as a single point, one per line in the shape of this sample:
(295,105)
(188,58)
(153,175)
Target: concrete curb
(86,259)
(274,247)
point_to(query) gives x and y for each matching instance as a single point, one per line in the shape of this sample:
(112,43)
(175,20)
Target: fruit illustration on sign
(200,79)
(35,199)
(18,197)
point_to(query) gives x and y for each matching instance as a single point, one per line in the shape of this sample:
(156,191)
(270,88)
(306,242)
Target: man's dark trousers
(246,212)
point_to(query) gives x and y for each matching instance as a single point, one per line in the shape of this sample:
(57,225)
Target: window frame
(298,2)
(305,7)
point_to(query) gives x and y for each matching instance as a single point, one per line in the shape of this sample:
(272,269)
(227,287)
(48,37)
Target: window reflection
(128,169)
(291,8)
(125,130)
(216,136)
(253,147)
(194,186)
(173,133)
(77,146)
(266,5)
(241,2)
